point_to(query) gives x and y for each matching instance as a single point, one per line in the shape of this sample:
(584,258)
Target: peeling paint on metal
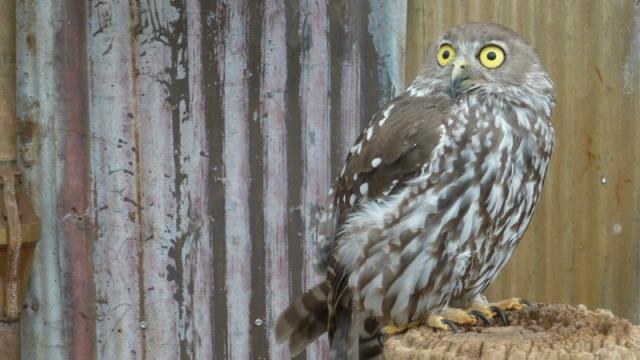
(43,330)
(388,27)
(178,175)
(316,134)
(236,162)
(273,123)
(115,162)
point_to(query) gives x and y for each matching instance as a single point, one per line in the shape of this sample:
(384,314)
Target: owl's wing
(391,151)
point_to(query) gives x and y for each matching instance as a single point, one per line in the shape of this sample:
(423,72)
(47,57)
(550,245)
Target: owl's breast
(512,160)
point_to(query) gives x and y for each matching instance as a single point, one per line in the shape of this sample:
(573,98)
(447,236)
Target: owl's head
(485,57)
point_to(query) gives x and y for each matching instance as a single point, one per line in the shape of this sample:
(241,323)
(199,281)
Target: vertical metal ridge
(133,28)
(75,198)
(273,118)
(294,149)
(315,139)
(214,17)
(257,141)
(236,163)
(198,279)
(116,179)
(161,76)
(38,104)
(351,67)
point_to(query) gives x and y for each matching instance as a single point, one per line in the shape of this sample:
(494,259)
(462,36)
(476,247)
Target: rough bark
(545,332)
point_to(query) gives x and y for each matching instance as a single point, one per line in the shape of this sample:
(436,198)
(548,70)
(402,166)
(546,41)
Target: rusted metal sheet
(582,246)
(177,153)
(7,80)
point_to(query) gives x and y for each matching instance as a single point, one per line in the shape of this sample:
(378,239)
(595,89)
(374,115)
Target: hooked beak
(459,74)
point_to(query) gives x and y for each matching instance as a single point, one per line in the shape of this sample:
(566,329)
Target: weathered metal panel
(316,133)
(113,128)
(238,249)
(177,153)
(273,115)
(43,329)
(582,246)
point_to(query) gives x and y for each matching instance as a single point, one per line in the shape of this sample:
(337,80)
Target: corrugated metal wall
(177,151)
(584,243)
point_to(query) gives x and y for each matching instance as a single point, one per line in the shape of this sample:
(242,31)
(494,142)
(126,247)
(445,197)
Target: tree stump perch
(545,332)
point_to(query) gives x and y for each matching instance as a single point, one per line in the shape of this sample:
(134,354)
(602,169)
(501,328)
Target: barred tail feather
(341,346)
(304,320)
(353,339)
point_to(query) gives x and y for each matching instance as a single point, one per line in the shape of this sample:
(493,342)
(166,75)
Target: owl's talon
(450,319)
(480,315)
(382,337)
(451,325)
(502,314)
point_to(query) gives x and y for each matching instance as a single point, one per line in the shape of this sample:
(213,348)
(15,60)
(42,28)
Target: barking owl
(433,197)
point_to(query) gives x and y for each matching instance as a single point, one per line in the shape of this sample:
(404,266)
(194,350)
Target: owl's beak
(459,74)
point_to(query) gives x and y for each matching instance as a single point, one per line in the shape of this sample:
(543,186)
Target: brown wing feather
(384,161)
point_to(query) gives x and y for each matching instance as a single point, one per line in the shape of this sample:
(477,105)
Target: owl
(433,198)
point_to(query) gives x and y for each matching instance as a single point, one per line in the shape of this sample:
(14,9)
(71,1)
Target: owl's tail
(352,339)
(305,319)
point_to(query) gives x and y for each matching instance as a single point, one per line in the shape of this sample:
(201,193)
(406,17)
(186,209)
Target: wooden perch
(546,332)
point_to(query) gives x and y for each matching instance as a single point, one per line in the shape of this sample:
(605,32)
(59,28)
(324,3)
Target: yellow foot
(447,319)
(480,308)
(515,304)
(394,329)
(511,304)
(450,318)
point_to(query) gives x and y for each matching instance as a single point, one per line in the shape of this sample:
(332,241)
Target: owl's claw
(480,315)
(512,304)
(382,337)
(502,314)
(451,325)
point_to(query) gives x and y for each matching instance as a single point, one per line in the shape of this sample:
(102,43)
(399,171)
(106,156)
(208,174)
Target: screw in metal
(604,180)
(143,325)
(259,322)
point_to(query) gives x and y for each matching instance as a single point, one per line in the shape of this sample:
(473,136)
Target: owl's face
(482,56)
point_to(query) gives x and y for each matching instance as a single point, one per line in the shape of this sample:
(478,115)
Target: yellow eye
(491,56)
(446,54)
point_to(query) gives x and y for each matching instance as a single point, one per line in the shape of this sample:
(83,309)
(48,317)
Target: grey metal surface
(176,152)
